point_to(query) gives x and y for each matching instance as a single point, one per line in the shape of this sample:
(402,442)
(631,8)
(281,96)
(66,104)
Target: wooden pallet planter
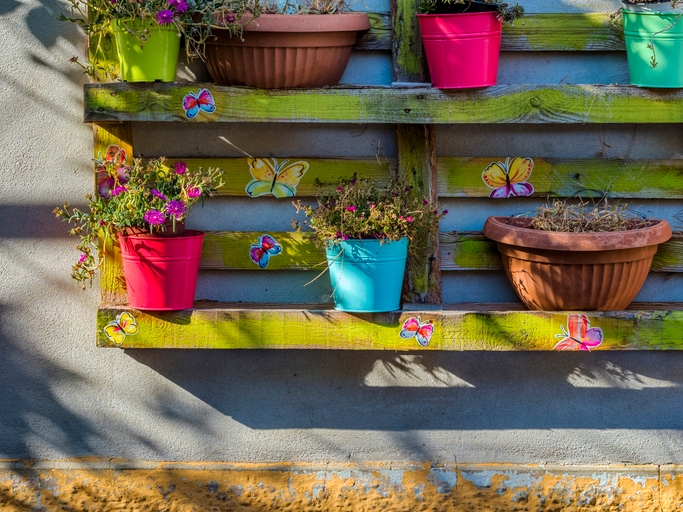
(414,108)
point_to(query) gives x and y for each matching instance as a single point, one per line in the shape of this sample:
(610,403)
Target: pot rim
(338,22)
(189,233)
(498,229)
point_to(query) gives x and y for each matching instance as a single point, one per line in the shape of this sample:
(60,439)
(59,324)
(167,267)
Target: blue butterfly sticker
(265,247)
(200,102)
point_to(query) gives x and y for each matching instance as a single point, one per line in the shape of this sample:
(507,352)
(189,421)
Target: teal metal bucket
(665,32)
(366,275)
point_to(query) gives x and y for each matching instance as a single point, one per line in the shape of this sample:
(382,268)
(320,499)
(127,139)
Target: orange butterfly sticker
(509,179)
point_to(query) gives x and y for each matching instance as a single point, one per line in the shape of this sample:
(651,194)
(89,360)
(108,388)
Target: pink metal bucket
(462,49)
(161,272)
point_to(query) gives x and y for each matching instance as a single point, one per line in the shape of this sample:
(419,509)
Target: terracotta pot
(285,51)
(575,271)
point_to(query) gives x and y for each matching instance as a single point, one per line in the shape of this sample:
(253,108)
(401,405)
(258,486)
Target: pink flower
(179,5)
(118,190)
(372,205)
(158,195)
(345,237)
(350,208)
(194,192)
(338,234)
(82,258)
(176,208)
(401,217)
(339,189)
(409,219)
(154,217)
(180,167)
(165,17)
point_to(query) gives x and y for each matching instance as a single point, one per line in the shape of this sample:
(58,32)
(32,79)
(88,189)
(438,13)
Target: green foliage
(507,12)
(359,209)
(146,196)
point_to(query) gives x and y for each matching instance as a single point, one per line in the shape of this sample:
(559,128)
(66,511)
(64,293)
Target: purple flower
(118,190)
(176,208)
(154,217)
(180,167)
(194,192)
(409,219)
(345,237)
(179,5)
(231,18)
(338,234)
(425,202)
(350,208)
(444,212)
(113,2)
(158,195)
(394,194)
(165,17)
(352,181)
(406,189)
(339,189)
(82,258)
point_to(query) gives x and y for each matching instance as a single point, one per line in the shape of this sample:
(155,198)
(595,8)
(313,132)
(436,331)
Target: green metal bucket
(366,275)
(662,30)
(155,59)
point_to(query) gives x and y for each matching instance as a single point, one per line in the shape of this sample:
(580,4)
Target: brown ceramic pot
(285,51)
(575,271)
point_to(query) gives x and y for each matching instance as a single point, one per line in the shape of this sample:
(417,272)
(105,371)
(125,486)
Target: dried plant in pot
(298,45)
(142,208)
(577,256)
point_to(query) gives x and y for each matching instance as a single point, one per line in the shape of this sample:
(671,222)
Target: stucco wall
(62,398)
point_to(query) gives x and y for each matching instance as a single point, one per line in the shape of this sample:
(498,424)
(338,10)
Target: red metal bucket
(161,272)
(462,49)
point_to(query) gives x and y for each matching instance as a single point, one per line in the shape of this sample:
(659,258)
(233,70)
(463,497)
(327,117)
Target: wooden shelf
(534,104)
(456,327)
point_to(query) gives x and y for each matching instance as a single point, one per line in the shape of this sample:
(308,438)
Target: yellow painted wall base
(158,487)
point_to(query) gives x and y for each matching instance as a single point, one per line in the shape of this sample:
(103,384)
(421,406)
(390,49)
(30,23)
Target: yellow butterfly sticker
(509,179)
(116,330)
(280,180)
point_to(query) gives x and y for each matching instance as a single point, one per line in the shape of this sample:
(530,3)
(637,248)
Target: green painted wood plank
(536,32)
(379,35)
(322,172)
(561,104)
(563,32)
(223,326)
(646,179)
(229,250)
(473,251)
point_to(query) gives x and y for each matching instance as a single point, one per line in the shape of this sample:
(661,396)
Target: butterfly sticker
(193,103)
(415,328)
(509,179)
(580,335)
(265,247)
(118,329)
(280,180)
(105,182)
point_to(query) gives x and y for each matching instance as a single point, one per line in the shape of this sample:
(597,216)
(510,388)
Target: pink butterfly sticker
(579,335)
(509,179)
(265,247)
(416,328)
(200,102)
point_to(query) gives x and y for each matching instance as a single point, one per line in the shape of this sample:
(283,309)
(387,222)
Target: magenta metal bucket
(161,272)
(462,49)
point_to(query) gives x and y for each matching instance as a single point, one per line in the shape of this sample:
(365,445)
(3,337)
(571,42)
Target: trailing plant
(149,196)
(360,209)
(507,12)
(585,217)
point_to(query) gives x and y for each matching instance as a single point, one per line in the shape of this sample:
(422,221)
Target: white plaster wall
(62,397)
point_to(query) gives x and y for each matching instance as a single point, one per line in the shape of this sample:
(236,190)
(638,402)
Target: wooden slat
(230,251)
(322,173)
(379,35)
(646,179)
(473,251)
(310,327)
(407,52)
(536,32)
(561,104)
(563,32)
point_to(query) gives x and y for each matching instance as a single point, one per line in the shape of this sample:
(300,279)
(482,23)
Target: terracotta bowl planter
(285,51)
(575,271)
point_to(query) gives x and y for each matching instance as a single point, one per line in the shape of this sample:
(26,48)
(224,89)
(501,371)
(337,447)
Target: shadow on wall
(435,391)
